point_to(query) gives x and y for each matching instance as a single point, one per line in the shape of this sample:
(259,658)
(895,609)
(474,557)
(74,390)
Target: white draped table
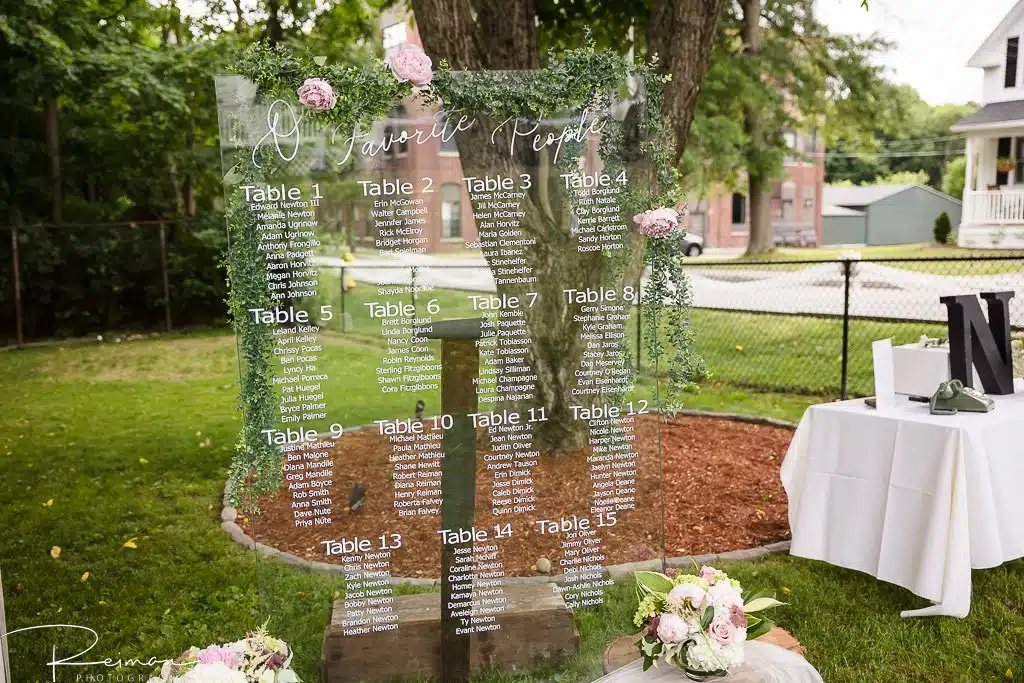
(911,498)
(765,663)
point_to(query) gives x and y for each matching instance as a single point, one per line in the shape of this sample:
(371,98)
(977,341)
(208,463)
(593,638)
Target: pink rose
(660,222)
(672,629)
(413,65)
(214,654)
(708,573)
(317,94)
(722,631)
(671,571)
(736,617)
(683,593)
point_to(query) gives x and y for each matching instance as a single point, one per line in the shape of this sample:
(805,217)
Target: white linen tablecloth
(764,663)
(911,498)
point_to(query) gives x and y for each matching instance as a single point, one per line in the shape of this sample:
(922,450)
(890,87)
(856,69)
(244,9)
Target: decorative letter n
(984,345)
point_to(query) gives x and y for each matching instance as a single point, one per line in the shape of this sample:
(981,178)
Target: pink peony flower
(214,654)
(708,573)
(317,94)
(671,571)
(672,629)
(660,222)
(736,617)
(722,631)
(686,593)
(413,65)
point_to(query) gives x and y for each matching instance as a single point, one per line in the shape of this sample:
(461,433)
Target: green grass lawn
(114,434)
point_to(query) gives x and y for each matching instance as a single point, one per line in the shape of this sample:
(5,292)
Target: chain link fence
(802,327)
(788,326)
(807,326)
(76,279)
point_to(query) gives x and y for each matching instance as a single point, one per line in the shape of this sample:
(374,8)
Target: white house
(993,210)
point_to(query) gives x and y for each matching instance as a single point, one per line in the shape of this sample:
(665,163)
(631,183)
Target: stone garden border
(229,518)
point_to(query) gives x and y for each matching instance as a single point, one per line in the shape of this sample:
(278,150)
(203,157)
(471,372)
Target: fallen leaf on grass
(55,552)
(143,461)
(786,590)
(85,577)
(48,504)
(130,543)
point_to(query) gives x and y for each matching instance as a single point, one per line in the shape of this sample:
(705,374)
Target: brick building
(723,219)
(449,214)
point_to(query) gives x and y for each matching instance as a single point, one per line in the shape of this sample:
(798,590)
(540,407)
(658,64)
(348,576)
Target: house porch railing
(997,207)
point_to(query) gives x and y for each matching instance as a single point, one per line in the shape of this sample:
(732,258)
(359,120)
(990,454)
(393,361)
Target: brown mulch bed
(721,486)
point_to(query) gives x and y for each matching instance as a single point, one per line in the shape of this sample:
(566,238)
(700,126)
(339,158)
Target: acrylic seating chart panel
(447,423)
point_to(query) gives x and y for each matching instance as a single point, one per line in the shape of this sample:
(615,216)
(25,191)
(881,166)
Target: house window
(394,38)
(451,210)
(1010,77)
(1018,158)
(788,201)
(395,126)
(1003,150)
(739,209)
(811,141)
(447,138)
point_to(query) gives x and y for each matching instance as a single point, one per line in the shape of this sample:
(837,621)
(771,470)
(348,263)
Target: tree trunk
(274,31)
(682,34)
(760,239)
(53,152)
(503,35)
(239,18)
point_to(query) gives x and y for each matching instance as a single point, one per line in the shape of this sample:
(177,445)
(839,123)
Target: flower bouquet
(257,658)
(698,623)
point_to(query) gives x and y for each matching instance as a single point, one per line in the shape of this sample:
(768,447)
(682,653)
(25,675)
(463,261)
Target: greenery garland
(368,93)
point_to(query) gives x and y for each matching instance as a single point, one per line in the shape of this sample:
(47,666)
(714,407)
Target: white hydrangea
(709,655)
(213,673)
(723,596)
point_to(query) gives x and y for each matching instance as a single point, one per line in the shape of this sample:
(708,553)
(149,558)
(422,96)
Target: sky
(935,38)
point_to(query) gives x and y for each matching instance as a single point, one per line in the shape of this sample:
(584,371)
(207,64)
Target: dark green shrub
(942,228)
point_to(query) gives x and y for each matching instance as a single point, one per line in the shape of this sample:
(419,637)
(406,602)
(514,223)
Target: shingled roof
(991,115)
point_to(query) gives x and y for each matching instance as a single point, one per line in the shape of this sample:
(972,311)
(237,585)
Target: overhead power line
(891,155)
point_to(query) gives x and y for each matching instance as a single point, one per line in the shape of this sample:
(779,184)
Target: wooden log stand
(536,627)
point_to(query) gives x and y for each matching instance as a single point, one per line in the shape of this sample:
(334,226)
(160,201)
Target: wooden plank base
(536,627)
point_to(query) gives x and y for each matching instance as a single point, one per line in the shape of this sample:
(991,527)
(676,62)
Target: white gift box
(920,370)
